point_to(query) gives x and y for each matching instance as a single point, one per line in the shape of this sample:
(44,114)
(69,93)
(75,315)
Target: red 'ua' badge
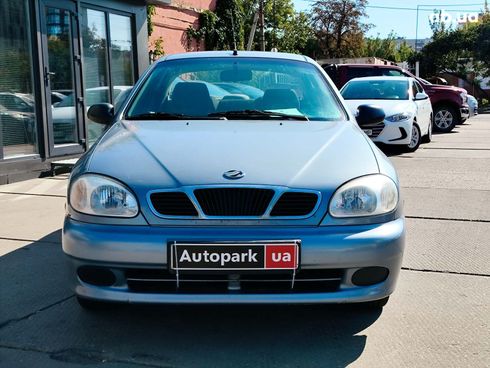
(280,256)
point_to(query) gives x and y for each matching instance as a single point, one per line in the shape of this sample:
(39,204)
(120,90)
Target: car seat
(191,98)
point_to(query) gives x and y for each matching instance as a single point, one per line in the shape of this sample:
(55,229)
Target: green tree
(387,48)
(229,24)
(297,36)
(462,51)
(221,29)
(284,29)
(339,27)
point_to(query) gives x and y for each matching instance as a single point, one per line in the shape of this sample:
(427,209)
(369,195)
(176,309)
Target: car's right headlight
(99,195)
(365,196)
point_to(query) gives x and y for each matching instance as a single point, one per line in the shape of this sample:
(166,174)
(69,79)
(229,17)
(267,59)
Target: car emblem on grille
(234,174)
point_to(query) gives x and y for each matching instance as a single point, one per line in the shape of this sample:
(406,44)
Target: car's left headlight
(369,195)
(399,117)
(99,195)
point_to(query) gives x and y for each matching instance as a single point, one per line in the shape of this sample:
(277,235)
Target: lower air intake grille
(377,130)
(234,201)
(161,281)
(173,204)
(295,204)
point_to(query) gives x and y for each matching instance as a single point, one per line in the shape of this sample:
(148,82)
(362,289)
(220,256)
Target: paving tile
(452,246)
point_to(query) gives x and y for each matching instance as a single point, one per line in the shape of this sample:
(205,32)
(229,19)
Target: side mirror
(102,113)
(421,96)
(368,115)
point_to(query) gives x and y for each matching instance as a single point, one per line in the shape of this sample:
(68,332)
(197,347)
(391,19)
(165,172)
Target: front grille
(173,204)
(234,201)
(295,204)
(160,281)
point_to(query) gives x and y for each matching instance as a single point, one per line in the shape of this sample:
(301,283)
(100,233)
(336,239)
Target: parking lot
(439,315)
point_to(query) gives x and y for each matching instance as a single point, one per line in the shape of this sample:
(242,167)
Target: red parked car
(450,104)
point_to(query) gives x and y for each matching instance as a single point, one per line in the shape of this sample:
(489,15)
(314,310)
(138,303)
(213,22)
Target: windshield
(242,87)
(376,90)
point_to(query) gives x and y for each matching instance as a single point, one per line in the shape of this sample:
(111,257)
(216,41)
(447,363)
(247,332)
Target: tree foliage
(462,51)
(387,48)
(230,23)
(338,27)
(297,36)
(277,16)
(221,29)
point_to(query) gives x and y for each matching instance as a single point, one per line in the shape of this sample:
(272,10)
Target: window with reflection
(106,64)
(95,64)
(121,51)
(18,132)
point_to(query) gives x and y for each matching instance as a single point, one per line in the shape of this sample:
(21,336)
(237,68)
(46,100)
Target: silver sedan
(193,196)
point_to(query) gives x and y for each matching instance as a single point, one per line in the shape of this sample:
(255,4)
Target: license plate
(234,256)
(368,132)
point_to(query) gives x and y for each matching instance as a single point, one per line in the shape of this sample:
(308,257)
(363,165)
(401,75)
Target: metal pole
(417,29)
(262,36)
(252,31)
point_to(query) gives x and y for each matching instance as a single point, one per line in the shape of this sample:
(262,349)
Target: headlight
(102,196)
(464,97)
(365,196)
(399,117)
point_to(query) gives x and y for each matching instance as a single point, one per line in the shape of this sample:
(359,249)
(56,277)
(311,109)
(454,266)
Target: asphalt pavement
(439,315)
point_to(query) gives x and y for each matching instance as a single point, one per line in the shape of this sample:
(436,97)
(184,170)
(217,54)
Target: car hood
(390,107)
(440,87)
(150,155)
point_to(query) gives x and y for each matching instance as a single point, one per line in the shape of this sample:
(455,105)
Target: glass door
(62,77)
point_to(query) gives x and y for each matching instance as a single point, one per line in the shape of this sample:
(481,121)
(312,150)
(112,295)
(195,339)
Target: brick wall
(171,21)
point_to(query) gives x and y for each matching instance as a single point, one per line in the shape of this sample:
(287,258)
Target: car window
(96,96)
(419,87)
(67,101)
(357,72)
(375,90)
(414,89)
(391,72)
(15,103)
(200,87)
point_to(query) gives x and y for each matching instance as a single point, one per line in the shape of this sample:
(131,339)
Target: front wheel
(445,119)
(415,139)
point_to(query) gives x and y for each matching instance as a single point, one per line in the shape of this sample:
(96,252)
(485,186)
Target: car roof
(240,54)
(381,78)
(370,66)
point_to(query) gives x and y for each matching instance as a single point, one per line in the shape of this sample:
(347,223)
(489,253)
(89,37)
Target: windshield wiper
(166,116)
(258,114)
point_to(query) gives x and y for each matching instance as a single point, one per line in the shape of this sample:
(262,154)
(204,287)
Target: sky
(404,21)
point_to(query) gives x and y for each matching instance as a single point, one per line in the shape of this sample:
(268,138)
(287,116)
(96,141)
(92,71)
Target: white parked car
(473,104)
(407,107)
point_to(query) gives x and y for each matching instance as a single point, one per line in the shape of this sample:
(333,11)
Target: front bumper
(398,133)
(464,112)
(345,248)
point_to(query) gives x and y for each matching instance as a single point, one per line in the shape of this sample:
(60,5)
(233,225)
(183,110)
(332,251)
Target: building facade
(171,21)
(58,57)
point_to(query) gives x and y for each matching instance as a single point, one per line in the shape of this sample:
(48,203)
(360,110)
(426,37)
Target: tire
(428,137)
(375,304)
(92,304)
(415,139)
(445,119)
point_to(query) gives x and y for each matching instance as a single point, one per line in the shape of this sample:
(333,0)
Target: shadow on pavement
(36,279)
